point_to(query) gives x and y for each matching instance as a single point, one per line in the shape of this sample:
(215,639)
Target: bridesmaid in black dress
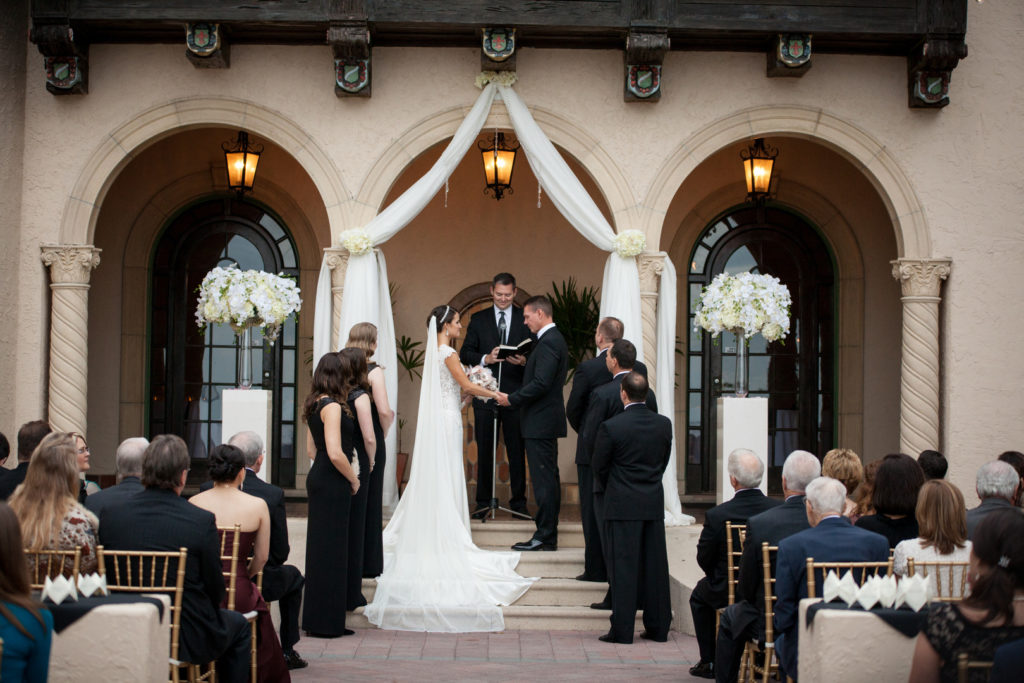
(353,364)
(364,336)
(330,487)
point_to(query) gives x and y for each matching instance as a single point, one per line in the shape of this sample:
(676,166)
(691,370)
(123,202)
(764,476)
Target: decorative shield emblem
(63,72)
(643,81)
(202,39)
(499,43)
(932,87)
(795,49)
(352,75)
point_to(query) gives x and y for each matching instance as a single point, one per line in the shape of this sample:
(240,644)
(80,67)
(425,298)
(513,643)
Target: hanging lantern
(241,158)
(758,164)
(499,159)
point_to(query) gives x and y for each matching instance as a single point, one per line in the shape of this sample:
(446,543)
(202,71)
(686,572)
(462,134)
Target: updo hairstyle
(226,461)
(444,315)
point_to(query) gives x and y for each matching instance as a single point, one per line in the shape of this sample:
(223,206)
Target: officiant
(499,324)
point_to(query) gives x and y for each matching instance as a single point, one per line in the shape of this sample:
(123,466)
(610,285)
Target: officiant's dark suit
(482,336)
(630,454)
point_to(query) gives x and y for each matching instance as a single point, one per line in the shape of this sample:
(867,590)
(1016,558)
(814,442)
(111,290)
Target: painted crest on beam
(352,75)
(64,73)
(499,43)
(644,80)
(202,39)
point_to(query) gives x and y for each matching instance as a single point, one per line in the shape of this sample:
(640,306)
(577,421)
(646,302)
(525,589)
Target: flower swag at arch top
(620,290)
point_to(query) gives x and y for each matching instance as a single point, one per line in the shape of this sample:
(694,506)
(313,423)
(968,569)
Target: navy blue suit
(128,487)
(833,540)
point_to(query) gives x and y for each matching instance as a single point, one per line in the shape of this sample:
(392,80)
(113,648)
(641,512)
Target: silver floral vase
(244,375)
(742,363)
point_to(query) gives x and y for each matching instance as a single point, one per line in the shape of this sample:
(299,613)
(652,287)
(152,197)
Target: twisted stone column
(921,282)
(337,261)
(70,268)
(650,264)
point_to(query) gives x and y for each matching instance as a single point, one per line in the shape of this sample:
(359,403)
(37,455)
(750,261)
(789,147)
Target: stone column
(650,265)
(70,268)
(337,261)
(921,282)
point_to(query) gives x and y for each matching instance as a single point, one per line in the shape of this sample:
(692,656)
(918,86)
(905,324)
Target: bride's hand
(355,486)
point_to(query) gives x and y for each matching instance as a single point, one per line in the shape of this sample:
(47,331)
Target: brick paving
(374,655)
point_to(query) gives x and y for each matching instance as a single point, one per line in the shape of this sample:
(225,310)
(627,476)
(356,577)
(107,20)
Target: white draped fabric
(366,294)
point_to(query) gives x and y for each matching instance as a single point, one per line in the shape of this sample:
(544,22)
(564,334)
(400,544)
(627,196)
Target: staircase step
(531,618)
(564,563)
(546,592)
(504,533)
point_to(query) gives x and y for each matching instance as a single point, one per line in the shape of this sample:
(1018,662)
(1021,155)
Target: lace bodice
(451,394)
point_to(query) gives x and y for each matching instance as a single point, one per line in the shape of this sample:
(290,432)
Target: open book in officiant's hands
(523,348)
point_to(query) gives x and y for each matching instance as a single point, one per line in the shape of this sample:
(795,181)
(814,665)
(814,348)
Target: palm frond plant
(410,355)
(576,313)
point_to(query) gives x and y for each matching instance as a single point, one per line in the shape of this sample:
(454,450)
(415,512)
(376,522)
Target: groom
(542,417)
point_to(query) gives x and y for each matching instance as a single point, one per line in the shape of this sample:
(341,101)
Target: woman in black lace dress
(993,614)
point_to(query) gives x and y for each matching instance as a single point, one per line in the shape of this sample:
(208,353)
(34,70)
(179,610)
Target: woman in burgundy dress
(231,506)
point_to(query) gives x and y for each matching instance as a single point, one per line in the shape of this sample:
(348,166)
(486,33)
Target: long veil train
(435,578)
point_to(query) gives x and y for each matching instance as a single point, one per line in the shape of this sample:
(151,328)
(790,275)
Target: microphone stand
(493,507)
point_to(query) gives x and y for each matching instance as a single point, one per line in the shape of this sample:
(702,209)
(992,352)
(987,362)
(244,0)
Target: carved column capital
(70,263)
(921,277)
(650,264)
(336,259)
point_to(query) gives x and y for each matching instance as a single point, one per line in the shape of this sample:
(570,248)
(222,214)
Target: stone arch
(870,156)
(120,146)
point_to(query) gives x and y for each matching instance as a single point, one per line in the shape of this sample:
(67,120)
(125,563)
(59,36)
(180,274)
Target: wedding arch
(620,290)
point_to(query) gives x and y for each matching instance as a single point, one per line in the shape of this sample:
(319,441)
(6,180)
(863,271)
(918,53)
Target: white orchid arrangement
(357,241)
(247,298)
(629,243)
(749,302)
(506,78)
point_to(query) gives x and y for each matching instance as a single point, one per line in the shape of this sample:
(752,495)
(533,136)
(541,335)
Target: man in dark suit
(630,455)
(499,324)
(831,538)
(997,484)
(745,473)
(542,416)
(158,518)
(744,620)
(29,436)
(128,460)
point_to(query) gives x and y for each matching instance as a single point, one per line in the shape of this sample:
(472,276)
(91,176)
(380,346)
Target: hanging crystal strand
(538,194)
(446,193)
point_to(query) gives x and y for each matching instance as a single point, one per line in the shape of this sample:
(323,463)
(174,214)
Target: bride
(435,578)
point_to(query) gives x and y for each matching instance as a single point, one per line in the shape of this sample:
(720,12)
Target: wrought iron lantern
(758,164)
(499,159)
(242,157)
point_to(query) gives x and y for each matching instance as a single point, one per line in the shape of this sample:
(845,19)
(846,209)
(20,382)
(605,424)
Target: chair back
(965,665)
(948,578)
(735,535)
(49,563)
(860,571)
(229,539)
(768,553)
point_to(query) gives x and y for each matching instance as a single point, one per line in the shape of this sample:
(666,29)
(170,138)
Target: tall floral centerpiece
(246,299)
(745,304)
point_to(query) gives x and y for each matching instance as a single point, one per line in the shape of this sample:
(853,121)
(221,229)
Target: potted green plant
(410,356)
(576,312)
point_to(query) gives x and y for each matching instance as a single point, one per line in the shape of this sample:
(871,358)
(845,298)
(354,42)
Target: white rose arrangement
(629,243)
(247,298)
(507,78)
(749,302)
(482,377)
(357,241)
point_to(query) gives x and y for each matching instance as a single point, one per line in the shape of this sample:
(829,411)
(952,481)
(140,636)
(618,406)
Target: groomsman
(542,415)
(630,455)
(502,323)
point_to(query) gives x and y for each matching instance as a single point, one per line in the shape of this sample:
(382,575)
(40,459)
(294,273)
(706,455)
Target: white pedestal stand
(742,423)
(247,410)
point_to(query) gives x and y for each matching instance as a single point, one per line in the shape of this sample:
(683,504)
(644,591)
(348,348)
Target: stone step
(503,533)
(564,563)
(532,618)
(546,592)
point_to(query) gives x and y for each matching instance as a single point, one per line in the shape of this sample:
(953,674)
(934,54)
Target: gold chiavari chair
(229,540)
(51,563)
(950,578)
(965,665)
(735,535)
(860,570)
(750,670)
(152,571)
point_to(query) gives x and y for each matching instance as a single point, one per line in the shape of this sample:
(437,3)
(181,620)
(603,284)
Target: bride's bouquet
(482,377)
(747,301)
(247,298)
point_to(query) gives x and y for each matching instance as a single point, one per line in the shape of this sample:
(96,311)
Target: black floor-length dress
(357,515)
(373,544)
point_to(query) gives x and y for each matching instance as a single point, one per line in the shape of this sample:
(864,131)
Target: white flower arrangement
(357,241)
(247,298)
(482,377)
(748,302)
(506,78)
(630,243)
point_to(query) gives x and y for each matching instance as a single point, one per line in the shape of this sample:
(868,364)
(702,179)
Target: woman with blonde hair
(942,530)
(843,464)
(82,452)
(364,336)
(47,506)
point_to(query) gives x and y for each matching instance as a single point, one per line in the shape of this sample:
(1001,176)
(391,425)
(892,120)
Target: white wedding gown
(435,579)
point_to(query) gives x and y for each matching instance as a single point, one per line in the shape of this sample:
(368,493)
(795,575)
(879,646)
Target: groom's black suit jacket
(542,413)
(482,337)
(630,456)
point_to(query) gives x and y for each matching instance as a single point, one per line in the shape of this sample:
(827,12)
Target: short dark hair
(624,353)
(504,279)
(5,447)
(897,483)
(635,386)
(539,303)
(29,436)
(226,461)
(164,461)
(611,328)
(1015,459)
(934,464)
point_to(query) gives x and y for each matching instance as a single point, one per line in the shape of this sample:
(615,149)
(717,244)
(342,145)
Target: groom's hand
(518,359)
(503,399)
(491,358)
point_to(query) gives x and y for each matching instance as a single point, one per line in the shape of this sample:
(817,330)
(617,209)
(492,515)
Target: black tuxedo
(12,479)
(630,455)
(711,592)
(542,419)
(589,375)
(114,495)
(481,337)
(156,519)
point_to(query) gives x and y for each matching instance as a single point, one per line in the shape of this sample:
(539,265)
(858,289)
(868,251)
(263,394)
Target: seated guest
(831,538)
(158,518)
(1016,460)
(894,498)
(1008,662)
(129,476)
(47,504)
(745,620)
(5,450)
(990,616)
(862,497)
(85,487)
(845,465)
(745,473)
(230,506)
(29,436)
(281,582)
(996,485)
(26,631)
(942,522)
(933,464)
